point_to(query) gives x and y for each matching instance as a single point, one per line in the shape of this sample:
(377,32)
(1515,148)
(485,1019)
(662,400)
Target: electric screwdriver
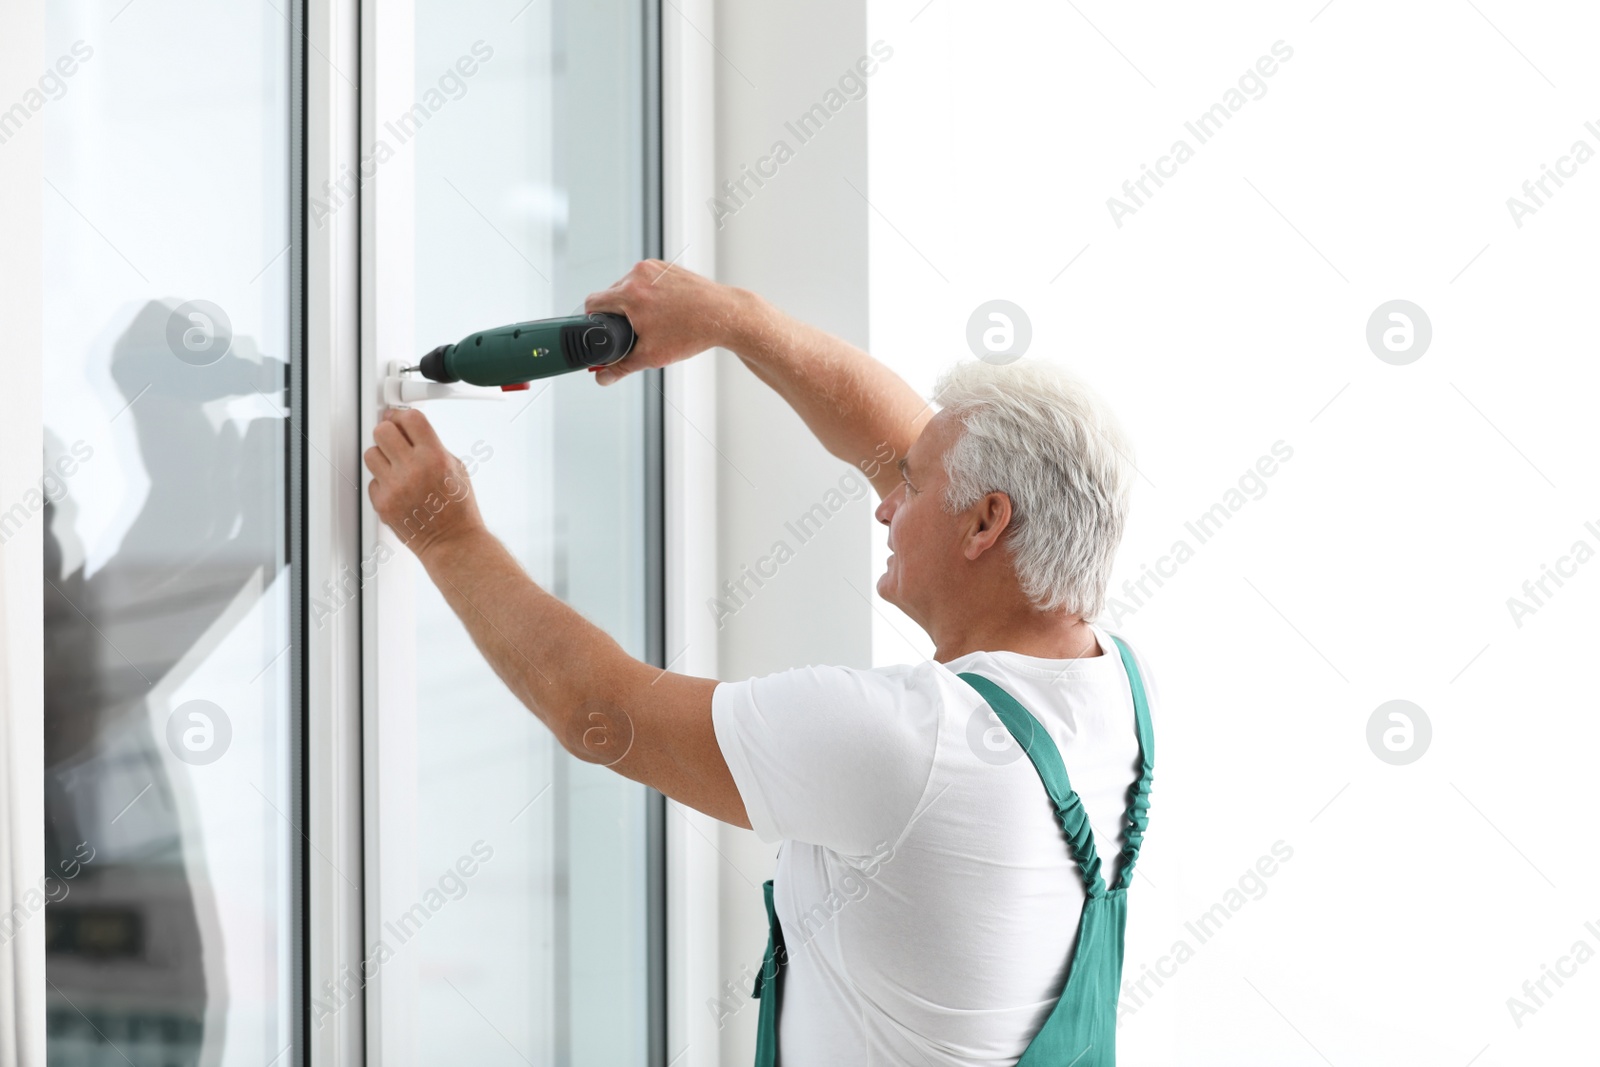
(512,356)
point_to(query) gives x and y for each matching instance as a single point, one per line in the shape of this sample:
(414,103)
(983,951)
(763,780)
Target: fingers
(390,441)
(377,462)
(609,299)
(391,417)
(604,300)
(645,272)
(416,427)
(614,373)
(401,432)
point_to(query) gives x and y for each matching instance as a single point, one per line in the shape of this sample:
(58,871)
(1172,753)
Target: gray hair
(1042,436)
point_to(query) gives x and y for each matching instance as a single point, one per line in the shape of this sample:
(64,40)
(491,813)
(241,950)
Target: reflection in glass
(530,194)
(170,751)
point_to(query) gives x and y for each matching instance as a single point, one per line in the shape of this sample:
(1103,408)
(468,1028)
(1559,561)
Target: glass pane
(530,193)
(170,741)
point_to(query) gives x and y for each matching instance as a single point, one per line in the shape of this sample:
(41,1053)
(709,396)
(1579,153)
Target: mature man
(932,902)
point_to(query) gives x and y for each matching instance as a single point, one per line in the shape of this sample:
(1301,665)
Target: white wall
(1227,314)
(799,240)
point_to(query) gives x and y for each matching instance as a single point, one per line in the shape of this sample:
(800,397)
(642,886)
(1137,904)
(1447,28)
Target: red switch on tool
(514,386)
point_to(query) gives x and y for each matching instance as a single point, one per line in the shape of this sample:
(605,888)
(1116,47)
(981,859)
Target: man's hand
(676,314)
(421,490)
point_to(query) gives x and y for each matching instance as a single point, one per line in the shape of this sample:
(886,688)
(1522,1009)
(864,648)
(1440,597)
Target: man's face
(924,540)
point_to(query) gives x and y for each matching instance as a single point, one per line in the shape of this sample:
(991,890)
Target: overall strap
(769,985)
(1036,742)
(1138,814)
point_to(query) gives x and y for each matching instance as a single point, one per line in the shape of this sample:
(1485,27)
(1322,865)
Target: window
(191,671)
(171,716)
(531,185)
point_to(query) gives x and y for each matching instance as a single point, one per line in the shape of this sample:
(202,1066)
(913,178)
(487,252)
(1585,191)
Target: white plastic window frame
(335,905)
(22,967)
(360,748)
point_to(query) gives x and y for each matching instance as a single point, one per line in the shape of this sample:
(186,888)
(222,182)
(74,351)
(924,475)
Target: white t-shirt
(928,899)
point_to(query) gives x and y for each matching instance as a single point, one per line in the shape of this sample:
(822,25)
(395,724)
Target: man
(927,902)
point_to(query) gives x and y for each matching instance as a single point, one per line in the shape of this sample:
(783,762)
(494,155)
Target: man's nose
(886,507)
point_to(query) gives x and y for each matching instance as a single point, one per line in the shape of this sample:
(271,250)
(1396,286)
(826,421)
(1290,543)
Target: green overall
(1081,1030)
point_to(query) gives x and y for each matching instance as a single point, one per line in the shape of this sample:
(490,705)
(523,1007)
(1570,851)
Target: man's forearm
(603,705)
(554,660)
(858,408)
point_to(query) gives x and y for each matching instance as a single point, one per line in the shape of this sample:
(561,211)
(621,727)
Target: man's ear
(991,517)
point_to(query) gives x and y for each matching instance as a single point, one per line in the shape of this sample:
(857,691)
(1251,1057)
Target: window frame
(330,272)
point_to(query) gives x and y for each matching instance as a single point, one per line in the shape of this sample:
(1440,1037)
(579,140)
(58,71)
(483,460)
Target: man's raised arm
(862,412)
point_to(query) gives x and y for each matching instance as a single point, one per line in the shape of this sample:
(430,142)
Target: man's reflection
(131,945)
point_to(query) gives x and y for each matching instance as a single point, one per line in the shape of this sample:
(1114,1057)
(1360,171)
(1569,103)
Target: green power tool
(512,356)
